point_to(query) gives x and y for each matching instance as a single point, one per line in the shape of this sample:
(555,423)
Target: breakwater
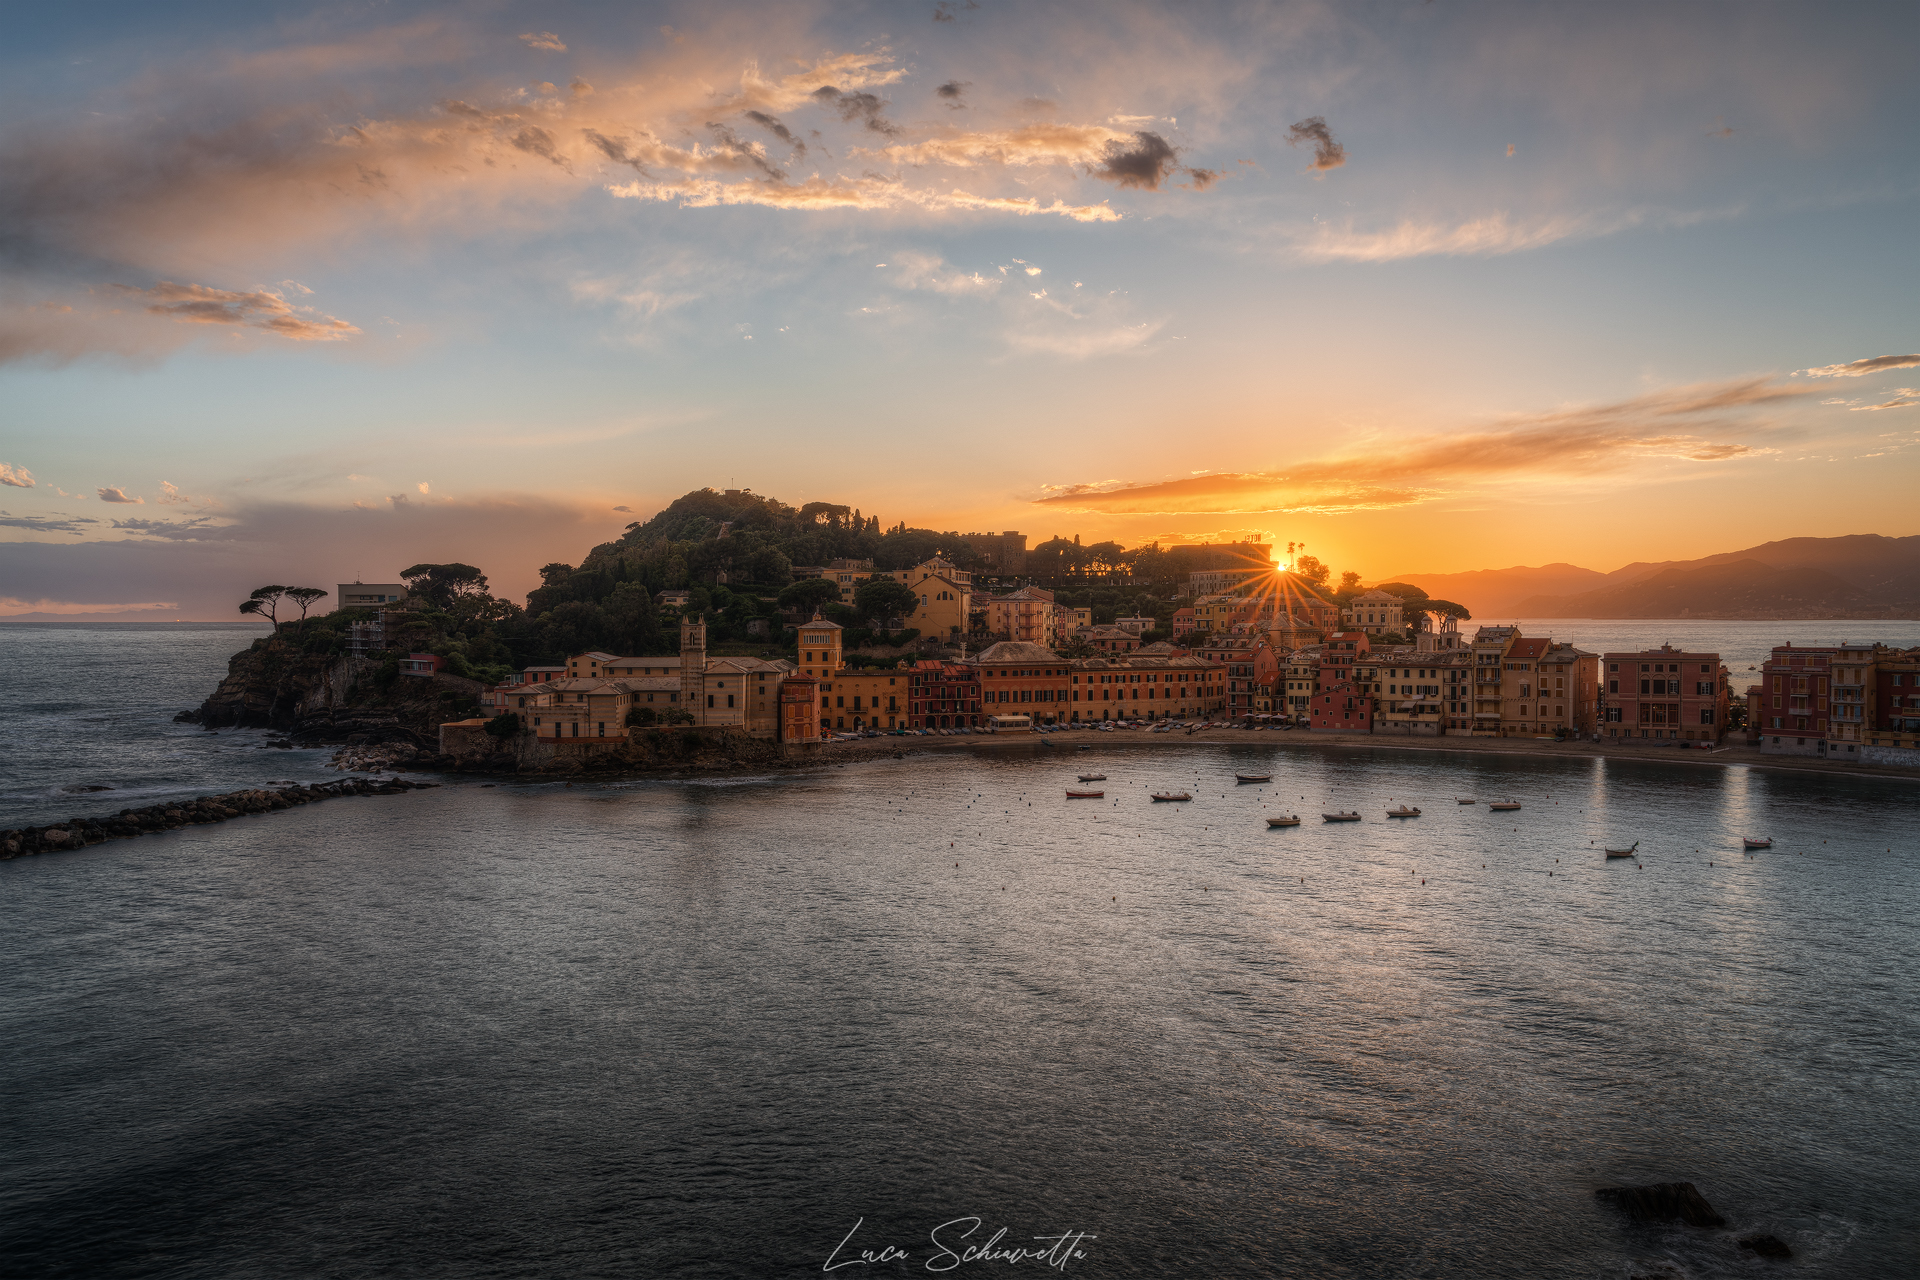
(75,832)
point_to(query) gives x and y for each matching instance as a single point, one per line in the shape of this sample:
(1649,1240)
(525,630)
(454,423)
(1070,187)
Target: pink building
(1664,693)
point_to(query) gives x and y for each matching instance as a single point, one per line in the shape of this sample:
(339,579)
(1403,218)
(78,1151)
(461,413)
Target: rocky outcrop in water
(1766,1246)
(316,698)
(1663,1202)
(76,832)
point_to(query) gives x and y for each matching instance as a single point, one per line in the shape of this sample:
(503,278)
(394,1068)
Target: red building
(1342,702)
(1018,677)
(1664,693)
(1893,736)
(1795,689)
(799,719)
(943,695)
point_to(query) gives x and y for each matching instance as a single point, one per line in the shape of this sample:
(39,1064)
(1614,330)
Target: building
(1235,656)
(853,699)
(1418,691)
(1134,625)
(1005,554)
(386,631)
(1893,727)
(1343,686)
(1526,687)
(1298,677)
(1855,667)
(1018,677)
(819,647)
(368,595)
(1374,612)
(1024,616)
(421,664)
(1157,682)
(1109,639)
(1795,689)
(1664,693)
(943,695)
(799,708)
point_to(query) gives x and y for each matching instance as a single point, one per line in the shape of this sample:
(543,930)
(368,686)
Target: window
(709,699)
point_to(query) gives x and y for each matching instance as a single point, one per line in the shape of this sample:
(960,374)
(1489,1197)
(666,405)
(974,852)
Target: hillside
(1856,575)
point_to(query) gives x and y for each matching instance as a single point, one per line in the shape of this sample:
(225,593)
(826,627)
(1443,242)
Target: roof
(816,621)
(595,653)
(1016,651)
(1524,648)
(1375,596)
(1024,594)
(652,660)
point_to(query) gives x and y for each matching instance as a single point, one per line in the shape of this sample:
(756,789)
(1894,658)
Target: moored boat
(1465,800)
(1404,811)
(1171,795)
(1343,816)
(1623,853)
(1093,777)
(1253,777)
(1084,795)
(1751,843)
(1502,806)
(1291,820)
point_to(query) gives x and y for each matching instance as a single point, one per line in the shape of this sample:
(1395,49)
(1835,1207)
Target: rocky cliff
(319,698)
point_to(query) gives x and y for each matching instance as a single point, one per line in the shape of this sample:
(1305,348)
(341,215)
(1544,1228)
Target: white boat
(1403,812)
(1751,843)
(1291,820)
(1341,817)
(1171,795)
(1503,806)
(1093,777)
(1623,853)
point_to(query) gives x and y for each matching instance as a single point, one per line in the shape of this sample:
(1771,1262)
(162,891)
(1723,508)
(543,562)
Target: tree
(1310,568)
(878,598)
(503,726)
(265,600)
(808,594)
(445,584)
(304,597)
(1350,581)
(1405,590)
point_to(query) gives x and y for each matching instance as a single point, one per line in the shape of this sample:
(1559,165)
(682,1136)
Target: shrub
(504,726)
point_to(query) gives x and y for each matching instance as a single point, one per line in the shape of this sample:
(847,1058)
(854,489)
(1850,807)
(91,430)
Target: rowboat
(1465,800)
(1253,777)
(1341,817)
(1291,820)
(1403,812)
(1093,777)
(1623,853)
(1171,795)
(1751,843)
(1084,795)
(1502,806)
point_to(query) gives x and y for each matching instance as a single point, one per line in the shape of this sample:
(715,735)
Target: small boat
(1751,843)
(1623,853)
(1093,777)
(1253,777)
(1465,800)
(1171,795)
(1084,795)
(1503,806)
(1403,812)
(1291,820)
(1341,817)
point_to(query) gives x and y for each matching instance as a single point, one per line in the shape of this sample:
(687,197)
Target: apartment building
(1665,694)
(1795,690)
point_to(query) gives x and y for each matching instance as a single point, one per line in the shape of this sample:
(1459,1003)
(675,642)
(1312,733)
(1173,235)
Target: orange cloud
(1557,445)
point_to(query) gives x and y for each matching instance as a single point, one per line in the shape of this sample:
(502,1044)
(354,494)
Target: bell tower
(693,667)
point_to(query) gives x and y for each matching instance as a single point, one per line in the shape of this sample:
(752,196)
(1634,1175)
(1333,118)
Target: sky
(310,293)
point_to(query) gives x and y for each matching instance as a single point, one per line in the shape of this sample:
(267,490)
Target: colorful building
(1343,686)
(943,695)
(1156,682)
(1893,727)
(1666,694)
(1025,616)
(1374,612)
(1796,686)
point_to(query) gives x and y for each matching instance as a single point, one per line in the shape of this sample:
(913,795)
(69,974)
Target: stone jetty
(75,832)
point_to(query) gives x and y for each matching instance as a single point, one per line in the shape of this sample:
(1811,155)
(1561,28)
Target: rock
(1663,1202)
(55,838)
(1766,1246)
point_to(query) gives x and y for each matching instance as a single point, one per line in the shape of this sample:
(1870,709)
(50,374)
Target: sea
(925,1014)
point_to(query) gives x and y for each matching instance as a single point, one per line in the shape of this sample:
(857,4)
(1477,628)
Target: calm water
(702,1029)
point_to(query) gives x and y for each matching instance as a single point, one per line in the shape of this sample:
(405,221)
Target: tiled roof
(1016,651)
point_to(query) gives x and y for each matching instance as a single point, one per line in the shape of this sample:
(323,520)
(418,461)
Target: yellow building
(1525,688)
(850,698)
(1374,612)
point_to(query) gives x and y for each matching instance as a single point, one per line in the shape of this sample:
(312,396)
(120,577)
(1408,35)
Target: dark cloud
(1203,178)
(954,94)
(259,309)
(944,11)
(538,142)
(113,493)
(744,151)
(1039,106)
(1146,163)
(196,529)
(42,524)
(862,106)
(1327,154)
(455,107)
(778,130)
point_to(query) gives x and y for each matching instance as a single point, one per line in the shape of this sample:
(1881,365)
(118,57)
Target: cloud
(1903,398)
(1860,368)
(110,493)
(1201,179)
(628,510)
(866,193)
(954,94)
(1327,154)
(197,529)
(778,130)
(46,524)
(945,9)
(261,309)
(1144,162)
(861,106)
(1557,446)
(17,477)
(11,607)
(542,40)
(1486,236)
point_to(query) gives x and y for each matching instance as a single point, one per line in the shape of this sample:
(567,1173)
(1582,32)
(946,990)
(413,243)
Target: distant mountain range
(1858,576)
